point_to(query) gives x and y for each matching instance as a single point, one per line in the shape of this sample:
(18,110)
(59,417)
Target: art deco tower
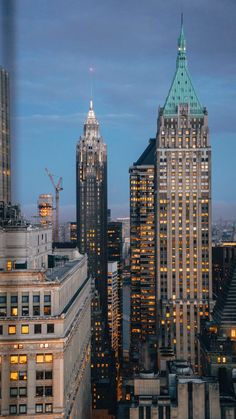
(91,166)
(5,150)
(183,215)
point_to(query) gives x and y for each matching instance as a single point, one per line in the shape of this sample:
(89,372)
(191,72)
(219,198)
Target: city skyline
(131,74)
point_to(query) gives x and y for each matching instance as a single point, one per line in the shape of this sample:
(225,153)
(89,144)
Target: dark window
(22,375)
(25,311)
(37,328)
(36,311)
(39,391)
(47,298)
(48,391)
(12,409)
(25,298)
(13,391)
(39,408)
(48,375)
(22,408)
(1,329)
(48,407)
(50,328)
(3,311)
(3,299)
(23,391)
(14,299)
(36,298)
(39,375)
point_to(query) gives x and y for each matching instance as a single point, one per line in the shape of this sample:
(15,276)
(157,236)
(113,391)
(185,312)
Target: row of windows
(25,310)
(25,329)
(22,359)
(24,298)
(22,408)
(40,391)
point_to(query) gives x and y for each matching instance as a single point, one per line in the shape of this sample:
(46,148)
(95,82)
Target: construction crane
(58,188)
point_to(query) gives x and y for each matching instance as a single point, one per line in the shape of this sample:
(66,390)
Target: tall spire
(182,90)
(91,125)
(91,117)
(181,58)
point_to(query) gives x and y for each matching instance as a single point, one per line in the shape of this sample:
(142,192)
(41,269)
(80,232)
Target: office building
(223,255)
(45,329)
(179,394)
(71,232)
(113,305)
(183,215)
(23,246)
(5,152)
(45,209)
(103,368)
(218,344)
(142,251)
(126,317)
(91,177)
(114,254)
(114,241)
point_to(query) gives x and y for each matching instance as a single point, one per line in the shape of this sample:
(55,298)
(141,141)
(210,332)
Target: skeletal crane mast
(58,188)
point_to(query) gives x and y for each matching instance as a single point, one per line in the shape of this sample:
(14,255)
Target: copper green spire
(181,58)
(182,90)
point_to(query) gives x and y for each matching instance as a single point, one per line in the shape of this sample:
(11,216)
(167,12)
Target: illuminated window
(39,358)
(14,359)
(25,329)
(233,333)
(224,360)
(9,265)
(11,330)
(48,357)
(14,311)
(14,375)
(219,360)
(47,310)
(23,359)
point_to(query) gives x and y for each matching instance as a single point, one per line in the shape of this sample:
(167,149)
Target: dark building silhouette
(91,177)
(142,252)
(218,344)
(222,257)
(103,372)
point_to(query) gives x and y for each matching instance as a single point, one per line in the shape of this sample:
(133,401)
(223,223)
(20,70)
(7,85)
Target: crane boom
(58,188)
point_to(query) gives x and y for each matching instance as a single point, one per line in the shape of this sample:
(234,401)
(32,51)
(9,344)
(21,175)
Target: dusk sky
(132,46)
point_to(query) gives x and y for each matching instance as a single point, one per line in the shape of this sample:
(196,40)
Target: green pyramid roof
(182,90)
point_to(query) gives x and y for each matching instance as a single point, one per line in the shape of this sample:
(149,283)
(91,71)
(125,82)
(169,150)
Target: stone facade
(183,216)
(45,342)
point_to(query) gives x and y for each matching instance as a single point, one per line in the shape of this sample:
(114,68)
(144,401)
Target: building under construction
(45,209)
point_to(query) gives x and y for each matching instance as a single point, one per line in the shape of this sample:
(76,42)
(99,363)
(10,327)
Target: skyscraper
(183,215)
(142,251)
(91,176)
(5,149)
(114,254)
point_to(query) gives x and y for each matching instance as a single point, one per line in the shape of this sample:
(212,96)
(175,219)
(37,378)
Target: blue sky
(132,46)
